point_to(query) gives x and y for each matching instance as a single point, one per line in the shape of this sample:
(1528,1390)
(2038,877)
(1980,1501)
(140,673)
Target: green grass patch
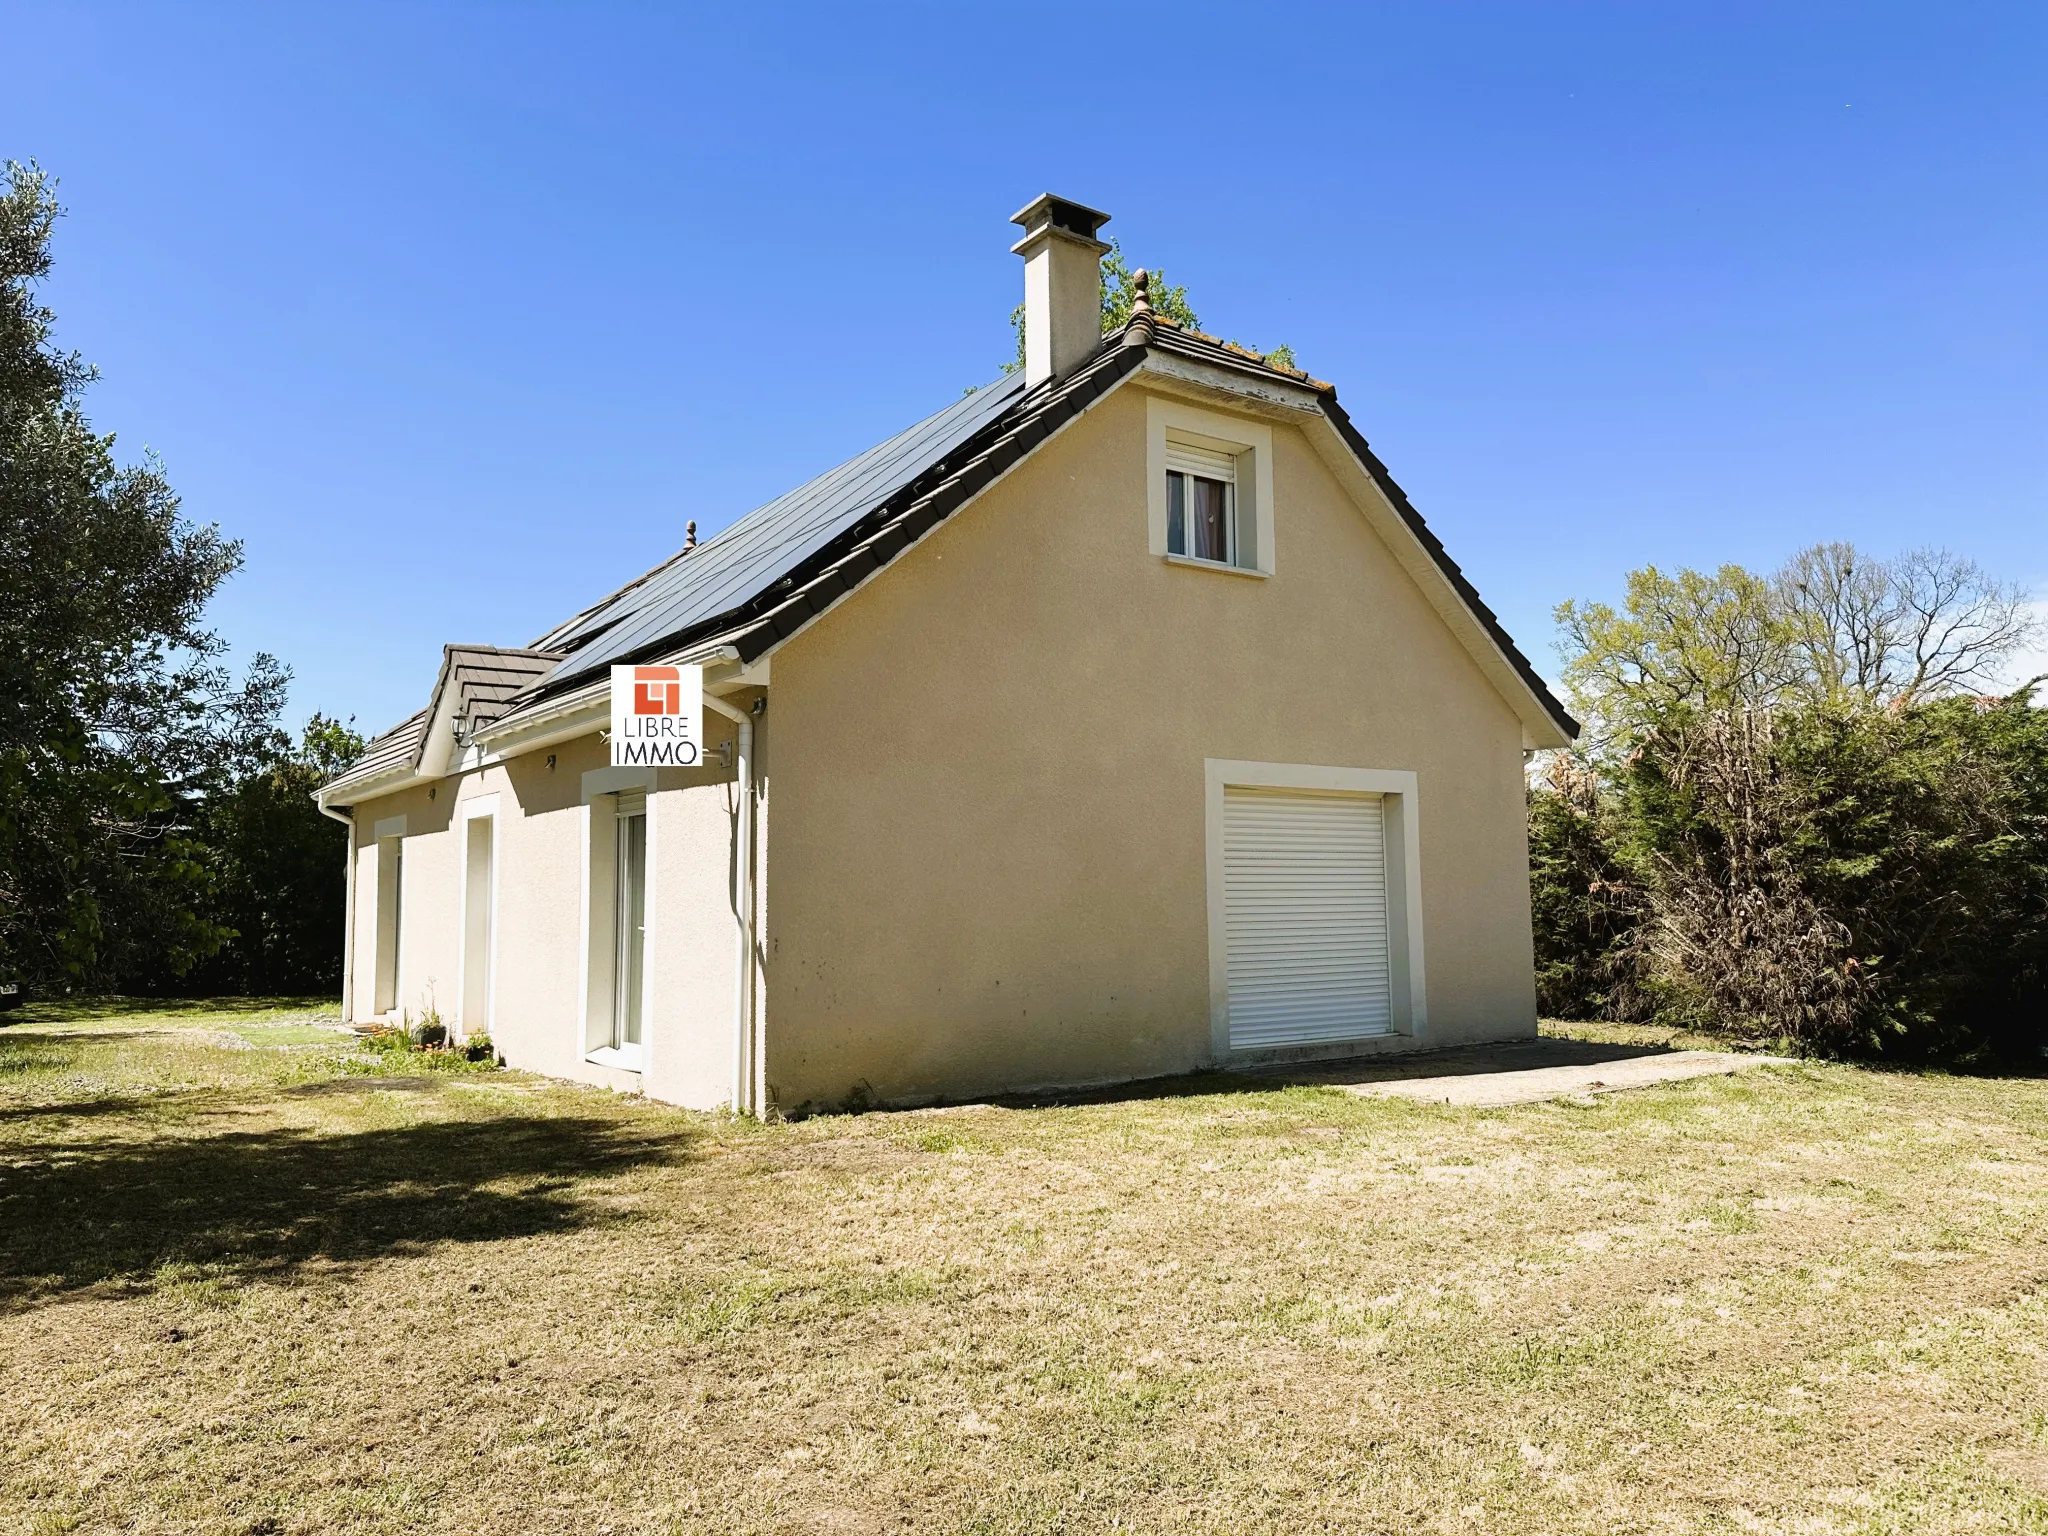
(255,1271)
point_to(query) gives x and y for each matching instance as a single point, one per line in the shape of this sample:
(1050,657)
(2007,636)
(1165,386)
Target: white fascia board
(1241,392)
(1539,729)
(727,677)
(352,792)
(437,741)
(578,713)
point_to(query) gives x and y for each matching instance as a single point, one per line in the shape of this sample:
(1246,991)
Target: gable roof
(770,573)
(781,565)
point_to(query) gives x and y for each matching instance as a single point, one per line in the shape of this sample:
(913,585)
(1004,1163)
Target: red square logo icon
(657,691)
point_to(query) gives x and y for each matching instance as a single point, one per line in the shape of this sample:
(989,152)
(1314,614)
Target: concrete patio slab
(1493,1077)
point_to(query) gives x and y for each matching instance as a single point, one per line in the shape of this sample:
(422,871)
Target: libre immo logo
(657,691)
(657,717)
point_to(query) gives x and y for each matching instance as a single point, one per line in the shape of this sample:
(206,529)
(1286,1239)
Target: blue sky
(454,315)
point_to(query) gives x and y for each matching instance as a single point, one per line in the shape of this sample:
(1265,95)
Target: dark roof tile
(396,748)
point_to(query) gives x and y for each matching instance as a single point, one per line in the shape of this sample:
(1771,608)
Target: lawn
(256,1279)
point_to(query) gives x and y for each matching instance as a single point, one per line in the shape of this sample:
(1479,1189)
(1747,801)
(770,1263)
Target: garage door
(1305,909)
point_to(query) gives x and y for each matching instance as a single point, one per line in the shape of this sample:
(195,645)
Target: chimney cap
(1046,214)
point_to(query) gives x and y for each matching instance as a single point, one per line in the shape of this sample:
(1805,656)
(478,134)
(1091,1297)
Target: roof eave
(1228,378)
(347,791)
(545,722)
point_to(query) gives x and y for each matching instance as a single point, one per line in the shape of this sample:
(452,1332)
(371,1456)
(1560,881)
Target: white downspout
(348,907)
(745,1097)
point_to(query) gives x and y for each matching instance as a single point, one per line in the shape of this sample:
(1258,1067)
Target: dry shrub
(1787,823)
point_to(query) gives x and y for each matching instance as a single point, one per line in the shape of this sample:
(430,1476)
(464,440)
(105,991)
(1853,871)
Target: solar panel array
(736,565)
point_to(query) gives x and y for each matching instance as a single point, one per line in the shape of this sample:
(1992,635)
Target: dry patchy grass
(297,1288)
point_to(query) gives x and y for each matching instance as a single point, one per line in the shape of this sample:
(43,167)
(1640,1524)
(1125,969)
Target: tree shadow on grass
(80,1109)
(263,1204)
(176,1012)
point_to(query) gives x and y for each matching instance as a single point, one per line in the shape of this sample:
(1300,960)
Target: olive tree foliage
(1792,814)
(118,717)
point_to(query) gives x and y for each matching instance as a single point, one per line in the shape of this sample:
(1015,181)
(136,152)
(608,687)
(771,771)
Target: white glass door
(627,1001)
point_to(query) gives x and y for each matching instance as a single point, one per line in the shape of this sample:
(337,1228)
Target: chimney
(1062,285)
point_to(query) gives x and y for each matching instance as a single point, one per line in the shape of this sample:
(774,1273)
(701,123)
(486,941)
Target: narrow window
(631,929)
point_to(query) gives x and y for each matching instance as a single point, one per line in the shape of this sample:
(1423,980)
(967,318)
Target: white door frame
(597,946)
(476,808)
(389,833)
(1405,973)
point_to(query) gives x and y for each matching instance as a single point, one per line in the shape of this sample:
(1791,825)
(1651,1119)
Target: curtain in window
(1209,518)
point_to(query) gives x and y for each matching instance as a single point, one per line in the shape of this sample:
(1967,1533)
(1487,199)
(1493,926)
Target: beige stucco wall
(693,948)
(427,974)
(540,842)
(989,866)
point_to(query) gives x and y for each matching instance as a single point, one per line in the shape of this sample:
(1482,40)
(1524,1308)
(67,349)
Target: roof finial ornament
(1139,332)
(690,534)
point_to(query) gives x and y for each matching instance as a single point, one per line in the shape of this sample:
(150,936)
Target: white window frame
(598,952)
(477,808)
(1406,994)
(624,815)
(1250,443)
(389,841)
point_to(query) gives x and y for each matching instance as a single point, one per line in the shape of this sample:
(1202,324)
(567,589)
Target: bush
(1583,903)
(1793,825)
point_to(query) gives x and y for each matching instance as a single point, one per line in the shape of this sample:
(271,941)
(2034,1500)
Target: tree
(1584,905)
(1833,627)
(1902,631)
(278,879)
(1793,815)
(114,703)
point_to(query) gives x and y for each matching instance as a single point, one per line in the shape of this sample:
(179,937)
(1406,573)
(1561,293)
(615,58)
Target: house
(1121,718)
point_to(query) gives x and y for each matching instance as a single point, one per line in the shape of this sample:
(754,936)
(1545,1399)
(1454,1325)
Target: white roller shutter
(1305,909)
(1194,459)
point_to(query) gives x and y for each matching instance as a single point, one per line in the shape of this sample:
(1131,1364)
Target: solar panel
(760,548)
